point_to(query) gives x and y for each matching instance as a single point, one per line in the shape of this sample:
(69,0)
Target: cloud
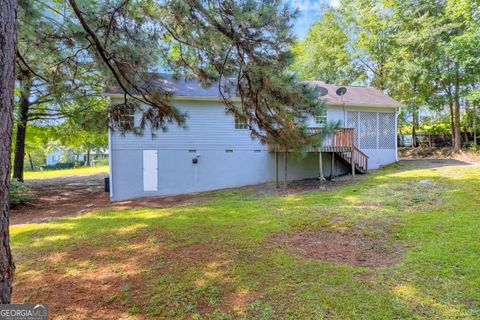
(309,10)
(334,3)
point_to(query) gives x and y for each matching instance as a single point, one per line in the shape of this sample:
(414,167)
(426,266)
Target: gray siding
(214,170)
(209,133)
(208,127)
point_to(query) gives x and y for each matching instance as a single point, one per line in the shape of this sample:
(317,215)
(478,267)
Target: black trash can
(107,184)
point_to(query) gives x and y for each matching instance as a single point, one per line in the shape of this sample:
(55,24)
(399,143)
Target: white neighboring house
(216,150)
(55,156)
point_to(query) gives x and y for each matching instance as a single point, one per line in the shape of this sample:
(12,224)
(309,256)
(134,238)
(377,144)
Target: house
(53,157)
(60,154)
(215,151)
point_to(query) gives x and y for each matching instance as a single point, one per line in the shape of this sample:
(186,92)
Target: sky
(309,13)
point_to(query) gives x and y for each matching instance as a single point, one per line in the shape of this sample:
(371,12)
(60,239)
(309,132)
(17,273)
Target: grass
(215,260)
(30,175)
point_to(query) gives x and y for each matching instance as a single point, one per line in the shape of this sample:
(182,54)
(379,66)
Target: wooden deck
(341,145)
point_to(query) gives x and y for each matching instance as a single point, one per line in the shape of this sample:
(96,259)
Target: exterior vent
(192,150)
(229,150)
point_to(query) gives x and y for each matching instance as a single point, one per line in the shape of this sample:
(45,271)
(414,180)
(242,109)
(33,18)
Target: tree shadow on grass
(211,258)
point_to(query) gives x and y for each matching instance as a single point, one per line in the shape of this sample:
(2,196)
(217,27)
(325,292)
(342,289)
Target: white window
(240,122)
(321,119)
(127,120)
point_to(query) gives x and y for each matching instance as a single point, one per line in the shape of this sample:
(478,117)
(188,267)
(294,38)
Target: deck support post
(285,159)
(353,162)
(332,167)
(320,167)
(277,182)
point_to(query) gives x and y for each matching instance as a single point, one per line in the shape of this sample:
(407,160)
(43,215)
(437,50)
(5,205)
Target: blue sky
(309,13)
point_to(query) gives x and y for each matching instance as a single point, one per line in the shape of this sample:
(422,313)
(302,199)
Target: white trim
(362,105)
(177,98)
(396,133)
(110,166)
(237,99)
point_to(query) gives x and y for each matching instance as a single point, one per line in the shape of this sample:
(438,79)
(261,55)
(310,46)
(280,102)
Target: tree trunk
(277,183)
(19,158)
(474,109)
(87,162)
(285,177)
(458,138)
(452,122)
(8,49)
(31,162)
(414,126)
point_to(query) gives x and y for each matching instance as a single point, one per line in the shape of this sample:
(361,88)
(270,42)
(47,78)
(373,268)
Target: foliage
(20,192)
(86,131)
(63,165)
(324,53)
(422,53)
(244,46)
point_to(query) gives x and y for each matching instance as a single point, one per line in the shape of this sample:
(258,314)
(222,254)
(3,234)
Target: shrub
(470,145)
(64,165)
(103,162)
(20,192)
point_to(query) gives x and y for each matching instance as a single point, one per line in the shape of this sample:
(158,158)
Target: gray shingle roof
(356,96)
(182,87)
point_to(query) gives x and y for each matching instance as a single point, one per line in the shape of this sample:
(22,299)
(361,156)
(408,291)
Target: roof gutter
(176,98)
(237,99)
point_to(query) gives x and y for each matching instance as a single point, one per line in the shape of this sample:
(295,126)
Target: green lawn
(29,175)
(217,260)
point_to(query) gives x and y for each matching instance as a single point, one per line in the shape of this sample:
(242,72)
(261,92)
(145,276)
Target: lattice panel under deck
(352,122)
(368,130)
(386,130)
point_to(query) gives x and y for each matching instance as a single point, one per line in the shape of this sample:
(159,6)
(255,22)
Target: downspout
(110,166)
(397,110)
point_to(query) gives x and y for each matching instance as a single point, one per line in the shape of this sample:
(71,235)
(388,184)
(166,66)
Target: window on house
(321,119)
(240,122)
(127,120)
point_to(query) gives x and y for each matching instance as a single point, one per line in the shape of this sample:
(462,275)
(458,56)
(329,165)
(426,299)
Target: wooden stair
(360,160)
(341,142)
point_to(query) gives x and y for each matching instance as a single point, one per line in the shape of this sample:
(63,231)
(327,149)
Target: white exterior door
(150,170)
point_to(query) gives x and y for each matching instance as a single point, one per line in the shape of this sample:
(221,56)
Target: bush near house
(64,165)
(20,192)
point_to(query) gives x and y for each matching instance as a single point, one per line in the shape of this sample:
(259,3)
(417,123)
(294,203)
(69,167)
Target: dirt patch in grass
(72,195)
(86,283)
(91,282)
(350,247)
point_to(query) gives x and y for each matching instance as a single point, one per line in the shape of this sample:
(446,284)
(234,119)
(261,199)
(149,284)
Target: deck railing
(342,141)
(342,137)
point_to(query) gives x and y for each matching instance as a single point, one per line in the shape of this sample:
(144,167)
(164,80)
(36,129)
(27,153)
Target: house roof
(356,96)
(184,88)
